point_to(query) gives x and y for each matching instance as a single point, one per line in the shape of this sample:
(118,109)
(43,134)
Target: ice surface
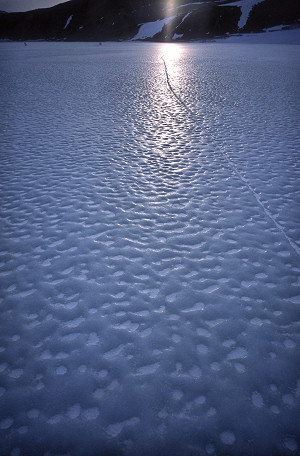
(270,36)
(149,291)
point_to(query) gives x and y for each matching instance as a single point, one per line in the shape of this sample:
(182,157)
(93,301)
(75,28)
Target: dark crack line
(173,91)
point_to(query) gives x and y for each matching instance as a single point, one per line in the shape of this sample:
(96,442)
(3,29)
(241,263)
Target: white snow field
(149,249)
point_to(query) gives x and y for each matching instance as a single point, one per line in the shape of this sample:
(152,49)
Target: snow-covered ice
(149,249)
(272,35)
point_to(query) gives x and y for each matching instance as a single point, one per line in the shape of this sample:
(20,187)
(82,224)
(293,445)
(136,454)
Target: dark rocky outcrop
(270,13)
(100,20)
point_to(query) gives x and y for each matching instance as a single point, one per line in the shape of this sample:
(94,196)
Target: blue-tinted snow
(272,35)
(149,303)
(68,21)
(149,29)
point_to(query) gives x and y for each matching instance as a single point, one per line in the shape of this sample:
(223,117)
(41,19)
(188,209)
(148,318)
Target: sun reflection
(171,50)
(170,5)
(163,131)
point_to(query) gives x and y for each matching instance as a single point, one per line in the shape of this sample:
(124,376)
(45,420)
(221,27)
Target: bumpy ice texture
(149,261)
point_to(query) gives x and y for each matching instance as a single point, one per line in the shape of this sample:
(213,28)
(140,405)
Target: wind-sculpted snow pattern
(149,266)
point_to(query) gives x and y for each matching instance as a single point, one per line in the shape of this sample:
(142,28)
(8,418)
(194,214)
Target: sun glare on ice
(171,51)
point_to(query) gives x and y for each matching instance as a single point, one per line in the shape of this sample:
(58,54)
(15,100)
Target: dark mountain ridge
(101,20)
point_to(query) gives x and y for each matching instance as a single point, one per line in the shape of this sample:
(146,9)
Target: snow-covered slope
(149,257)
(245,7)
(154,20)
(150,29)
(274,35)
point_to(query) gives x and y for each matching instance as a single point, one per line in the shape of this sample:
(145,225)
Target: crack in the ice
(260,202)
(172,90)
(236,171)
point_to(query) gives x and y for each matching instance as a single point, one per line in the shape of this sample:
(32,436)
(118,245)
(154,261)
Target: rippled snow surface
(150,249)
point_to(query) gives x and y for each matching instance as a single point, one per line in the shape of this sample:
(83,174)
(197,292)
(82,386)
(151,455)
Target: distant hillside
(101,20)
